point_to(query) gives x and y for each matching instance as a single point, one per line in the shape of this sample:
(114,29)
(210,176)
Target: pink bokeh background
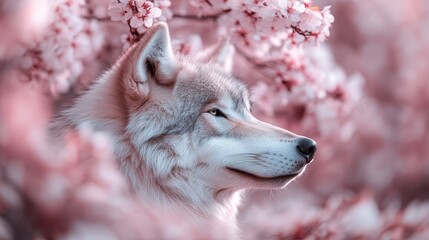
(359,85)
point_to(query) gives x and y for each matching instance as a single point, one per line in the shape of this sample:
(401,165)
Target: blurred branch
(255,60)
(303,33)
(257,63)
(92,17)
(202,17)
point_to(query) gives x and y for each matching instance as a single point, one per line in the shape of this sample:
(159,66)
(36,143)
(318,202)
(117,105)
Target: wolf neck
(194,202)
(197,204)
(109,115)
(192,199)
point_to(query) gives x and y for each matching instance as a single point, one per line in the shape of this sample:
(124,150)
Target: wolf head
(182,128)
(190,118)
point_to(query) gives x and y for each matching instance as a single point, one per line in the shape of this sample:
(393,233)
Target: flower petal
(136,22)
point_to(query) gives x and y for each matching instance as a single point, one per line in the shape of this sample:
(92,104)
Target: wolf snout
(306,147)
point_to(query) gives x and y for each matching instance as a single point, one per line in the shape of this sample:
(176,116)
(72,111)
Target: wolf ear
(221,53)
(152,59)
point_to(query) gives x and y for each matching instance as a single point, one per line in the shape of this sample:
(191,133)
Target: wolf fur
(182,131)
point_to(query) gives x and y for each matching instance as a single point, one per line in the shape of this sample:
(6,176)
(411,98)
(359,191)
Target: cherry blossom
(57,60)
(121,11)
(146,13)
(138,14)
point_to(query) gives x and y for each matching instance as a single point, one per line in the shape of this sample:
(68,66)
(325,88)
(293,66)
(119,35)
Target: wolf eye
(216,112)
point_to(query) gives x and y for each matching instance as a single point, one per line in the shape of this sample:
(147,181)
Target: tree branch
(303,33)
(263,64)
(212,17)
(92,17)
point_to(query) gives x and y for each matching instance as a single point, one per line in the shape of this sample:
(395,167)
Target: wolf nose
(306,148)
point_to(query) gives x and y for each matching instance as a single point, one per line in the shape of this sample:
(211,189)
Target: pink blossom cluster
(139,15)
(265,24)
(261,24)
(57,60)
(310,89)
(340,216)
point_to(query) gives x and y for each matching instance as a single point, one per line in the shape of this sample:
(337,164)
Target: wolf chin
(182,130)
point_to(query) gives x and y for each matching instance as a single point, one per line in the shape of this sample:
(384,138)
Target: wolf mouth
(256,177)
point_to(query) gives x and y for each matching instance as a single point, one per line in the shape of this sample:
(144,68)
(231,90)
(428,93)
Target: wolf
(182,130)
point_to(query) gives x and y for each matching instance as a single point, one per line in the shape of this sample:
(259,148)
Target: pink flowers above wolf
(252,23)
(291,22)
(56,62)
(139,14)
